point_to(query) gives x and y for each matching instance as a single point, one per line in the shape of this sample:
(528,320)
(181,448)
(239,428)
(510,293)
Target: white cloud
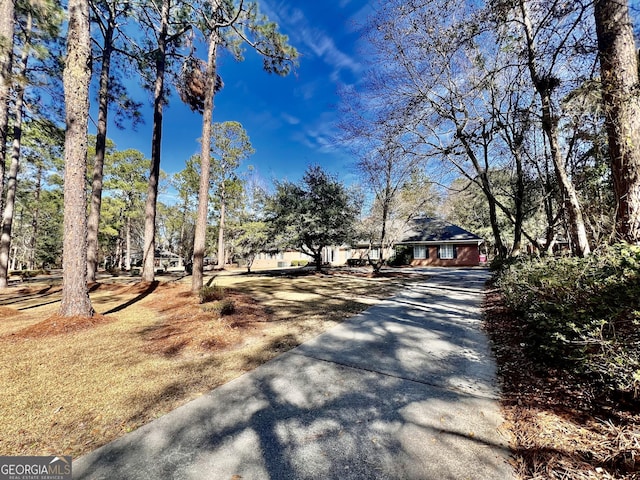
(311,38)
(290,119)
(319,135)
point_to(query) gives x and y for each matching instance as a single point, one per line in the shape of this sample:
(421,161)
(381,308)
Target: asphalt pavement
(403,391)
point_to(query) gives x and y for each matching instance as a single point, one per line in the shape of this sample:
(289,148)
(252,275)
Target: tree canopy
(314,214)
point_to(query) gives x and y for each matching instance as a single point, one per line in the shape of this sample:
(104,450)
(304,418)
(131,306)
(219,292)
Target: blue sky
(291,120)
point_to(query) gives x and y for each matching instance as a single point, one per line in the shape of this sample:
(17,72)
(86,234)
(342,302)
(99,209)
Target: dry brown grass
(69,386)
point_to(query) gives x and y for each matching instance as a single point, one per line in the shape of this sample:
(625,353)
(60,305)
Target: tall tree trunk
(35,221)
(499,248)
(12,183)
(76,78)
(317,259)
(148,268)
(621,95)
(221,249)
(544,85)
(127,258)
(119,252)
(7,13)
(519,216)
(516,147)
(567,190)
(386,205)
(199,239)
(182,258)
(101,146)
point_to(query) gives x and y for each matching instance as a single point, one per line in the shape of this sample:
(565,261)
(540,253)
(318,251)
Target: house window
(420,252)
(447,252)
(374,253)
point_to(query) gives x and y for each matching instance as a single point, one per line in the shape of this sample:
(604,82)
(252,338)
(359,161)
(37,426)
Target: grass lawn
(69,386)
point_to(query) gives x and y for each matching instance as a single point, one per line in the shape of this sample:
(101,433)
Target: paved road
(405,390)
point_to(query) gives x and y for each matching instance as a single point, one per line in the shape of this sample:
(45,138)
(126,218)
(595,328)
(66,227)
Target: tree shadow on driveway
(398,392)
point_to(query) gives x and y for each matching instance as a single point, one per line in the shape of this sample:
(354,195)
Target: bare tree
(437,93)
(456,91)
(545,81)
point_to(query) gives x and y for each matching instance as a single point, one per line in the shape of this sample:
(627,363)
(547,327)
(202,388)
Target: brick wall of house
(467,256)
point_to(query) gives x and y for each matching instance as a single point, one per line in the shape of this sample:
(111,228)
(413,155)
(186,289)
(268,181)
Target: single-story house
(435,242)
(426,241)
(331,255)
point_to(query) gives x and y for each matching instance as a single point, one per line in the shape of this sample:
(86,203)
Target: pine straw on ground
(188,326)
(562,426)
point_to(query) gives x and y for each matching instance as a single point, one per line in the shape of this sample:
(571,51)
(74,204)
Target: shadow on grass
(58,300)
(367,412)
(148,291)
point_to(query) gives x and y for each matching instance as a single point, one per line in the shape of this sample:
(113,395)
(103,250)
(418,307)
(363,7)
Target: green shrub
(299,263)
(402,256)
(221,307)
(499,265)
(210,293)
(582,314)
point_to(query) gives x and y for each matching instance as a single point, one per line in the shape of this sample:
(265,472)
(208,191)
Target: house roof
(433,230)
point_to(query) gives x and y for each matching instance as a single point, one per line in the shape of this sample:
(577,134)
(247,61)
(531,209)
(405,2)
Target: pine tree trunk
(7,12)
(621,95)
(98,162)
(221,248)
(199,239)
(12,181)
(76,78)
(148,267)
(35,221)
(127,258)
(119,252)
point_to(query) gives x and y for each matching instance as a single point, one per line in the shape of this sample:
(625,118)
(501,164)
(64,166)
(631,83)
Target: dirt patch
(562,426)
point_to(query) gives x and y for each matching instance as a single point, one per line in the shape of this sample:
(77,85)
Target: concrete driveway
(405,390)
